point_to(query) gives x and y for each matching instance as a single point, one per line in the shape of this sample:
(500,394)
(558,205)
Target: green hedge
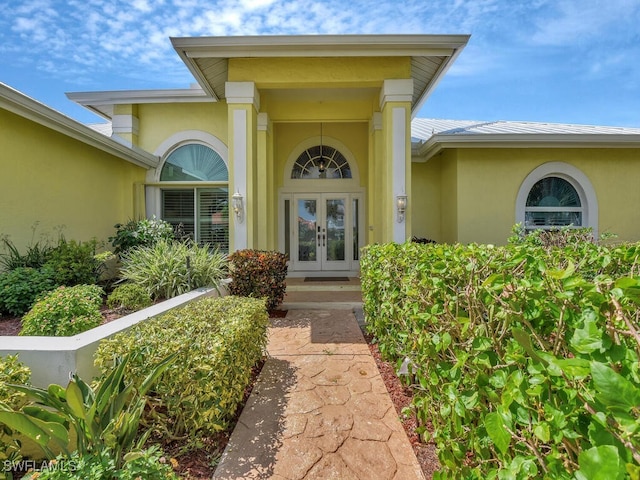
(524,358)
(219,340)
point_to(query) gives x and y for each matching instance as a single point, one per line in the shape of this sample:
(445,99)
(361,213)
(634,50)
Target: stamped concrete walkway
(319,409)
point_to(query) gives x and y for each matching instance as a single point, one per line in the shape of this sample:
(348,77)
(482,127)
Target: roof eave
(26,107)
(431,147)
(317,45)
(94,100)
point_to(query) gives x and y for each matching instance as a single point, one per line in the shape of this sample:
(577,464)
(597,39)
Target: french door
(324,231)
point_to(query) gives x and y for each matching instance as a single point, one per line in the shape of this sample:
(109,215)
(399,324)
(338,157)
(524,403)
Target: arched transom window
(319,162)
(194,163)
(553,202)
(196,201)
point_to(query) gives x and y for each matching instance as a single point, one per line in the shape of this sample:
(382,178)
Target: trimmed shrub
(259,274)
(75,263)
(524,358)
(218,341)
(170,268)
(129,296)
(140,233)
(64,312)
(15,373)
(147,464)
(20,288)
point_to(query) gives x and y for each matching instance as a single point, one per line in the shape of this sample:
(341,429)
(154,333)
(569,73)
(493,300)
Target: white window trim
(183,138)
(575,177)
(333,184)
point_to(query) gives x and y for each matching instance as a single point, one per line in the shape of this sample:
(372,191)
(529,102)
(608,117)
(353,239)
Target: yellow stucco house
(309,145)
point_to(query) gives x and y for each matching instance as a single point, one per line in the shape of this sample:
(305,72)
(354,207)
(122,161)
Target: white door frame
(351,265)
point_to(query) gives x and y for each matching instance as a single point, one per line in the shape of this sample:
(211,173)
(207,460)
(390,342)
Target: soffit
(431,55)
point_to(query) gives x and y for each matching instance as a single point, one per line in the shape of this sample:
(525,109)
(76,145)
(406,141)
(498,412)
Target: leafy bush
(148,464)
(170,268)
(217,341)
(74,263)
(140,233)
(129,296)
(524,358)
(65,311)
(259,274)
(11,372)
(104,418)
(20,287)
(36,255)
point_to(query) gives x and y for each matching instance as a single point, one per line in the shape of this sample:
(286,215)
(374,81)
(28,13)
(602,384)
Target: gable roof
(429,136)
(431,55)
(20,104)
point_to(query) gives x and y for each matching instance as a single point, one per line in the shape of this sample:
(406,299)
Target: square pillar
(243,101)
(395,104)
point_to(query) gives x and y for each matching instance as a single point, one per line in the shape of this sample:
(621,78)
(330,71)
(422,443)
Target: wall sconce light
(236,203)
(401,205)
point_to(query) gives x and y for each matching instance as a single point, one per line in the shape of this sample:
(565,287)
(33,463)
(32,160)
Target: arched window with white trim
(556,195)
(194,194)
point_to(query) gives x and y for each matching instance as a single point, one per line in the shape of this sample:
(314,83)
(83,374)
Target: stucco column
(243,101)
(124,123)
(375,196)
(265,209)
(395,105)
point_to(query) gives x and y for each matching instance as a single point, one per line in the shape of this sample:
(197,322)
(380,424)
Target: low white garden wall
(54,359)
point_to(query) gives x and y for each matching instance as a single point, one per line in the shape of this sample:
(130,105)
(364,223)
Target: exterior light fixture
(238,208)
(401,205)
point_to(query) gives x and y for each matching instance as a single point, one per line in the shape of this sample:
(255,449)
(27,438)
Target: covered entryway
(321,209)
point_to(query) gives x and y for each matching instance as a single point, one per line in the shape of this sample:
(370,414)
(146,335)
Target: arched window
(553,202)
(556,195)
(200,211)
(321,161)
(194,163)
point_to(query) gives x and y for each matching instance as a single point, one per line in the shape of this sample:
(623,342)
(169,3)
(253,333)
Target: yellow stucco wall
(449,201)
(57,181)
(488,181)
(427,199)
(159,121)
(318,72)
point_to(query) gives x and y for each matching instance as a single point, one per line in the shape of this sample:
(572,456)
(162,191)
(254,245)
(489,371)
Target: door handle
(323,239)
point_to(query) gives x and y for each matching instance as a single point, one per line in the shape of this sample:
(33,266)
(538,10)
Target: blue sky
(567,61)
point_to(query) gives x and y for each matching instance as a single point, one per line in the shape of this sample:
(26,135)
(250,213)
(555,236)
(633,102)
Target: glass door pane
(307,230)
(335,245)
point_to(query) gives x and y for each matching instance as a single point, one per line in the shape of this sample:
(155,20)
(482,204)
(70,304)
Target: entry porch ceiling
(431,55)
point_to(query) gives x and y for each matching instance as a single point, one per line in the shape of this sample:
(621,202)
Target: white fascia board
(26,107)
(92,100)
(426,150)
(318,45)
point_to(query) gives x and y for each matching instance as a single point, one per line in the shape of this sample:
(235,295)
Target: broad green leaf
(21,423)
(75,400)
(614,390)
(576,368)
(588,338)
(497,431)
(524,339)
(601,463)
(562,274)
(542,432)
